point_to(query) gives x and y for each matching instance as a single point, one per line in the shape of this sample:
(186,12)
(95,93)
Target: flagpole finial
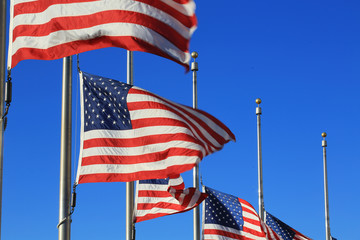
(258,100)
(194,55)
(324,134)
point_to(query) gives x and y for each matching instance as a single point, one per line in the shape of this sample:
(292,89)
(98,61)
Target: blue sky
(302,58)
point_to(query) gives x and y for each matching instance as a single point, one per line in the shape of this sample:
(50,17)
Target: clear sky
(302,58)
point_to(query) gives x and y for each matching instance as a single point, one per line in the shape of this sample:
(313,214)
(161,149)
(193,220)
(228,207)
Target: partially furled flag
(129,134)
(284,231)
(161,197)
(226,217)
(49,30)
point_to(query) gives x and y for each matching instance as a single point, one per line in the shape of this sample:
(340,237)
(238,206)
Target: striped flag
(226,217)
(283,231)
(131,134)
(161,197)
(49,30)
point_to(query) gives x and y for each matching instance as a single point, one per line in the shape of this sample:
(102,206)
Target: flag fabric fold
(226,217)
(279,230)
(50,30)
(130,134)
(161,197)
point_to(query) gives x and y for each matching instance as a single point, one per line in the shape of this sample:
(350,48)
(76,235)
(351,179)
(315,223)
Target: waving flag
(227,217)
(161,197)
(131,134)
(54,29)
(282,230)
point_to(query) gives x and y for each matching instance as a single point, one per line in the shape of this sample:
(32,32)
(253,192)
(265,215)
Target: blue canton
(223,209)
(279,227)
(155,181)
(105,104)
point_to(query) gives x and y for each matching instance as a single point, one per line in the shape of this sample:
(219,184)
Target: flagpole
(2,84)
(130,185)
(65,152)
(196,215)
(260,176)
(327,218)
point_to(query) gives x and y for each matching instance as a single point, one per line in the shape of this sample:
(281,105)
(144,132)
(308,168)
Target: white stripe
(250,216)
(248,208)
(82,127)
(195,198)
(140,167)
(141,213)
(176,181)
(132,133)
(23,1)
(187,9)
(111,29)
(141,150)
(138,97)
(157,199)
(88,8)
(231,230)
(161,113)
(152,187)
(10,52)
(138,114)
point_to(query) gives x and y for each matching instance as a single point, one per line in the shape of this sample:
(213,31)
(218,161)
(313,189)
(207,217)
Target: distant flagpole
(327,218)
(2,84)
(196,216)
(65,152)
(260,177)
(130,185)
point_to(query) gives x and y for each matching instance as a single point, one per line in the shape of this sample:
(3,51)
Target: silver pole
(130,185)
(196,216)
(2,84)
(327,218)
(260,177)
(65,152)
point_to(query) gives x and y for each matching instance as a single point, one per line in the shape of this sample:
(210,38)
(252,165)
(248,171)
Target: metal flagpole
(130,234)
(2,83)
(260,177)
(196,216)
(65,152)
(327,218)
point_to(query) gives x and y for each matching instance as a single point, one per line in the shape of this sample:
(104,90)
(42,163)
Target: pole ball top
(258,100)
(323,134)
(194,54)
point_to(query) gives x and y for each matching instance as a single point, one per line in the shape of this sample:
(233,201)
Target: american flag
(226,217)
(54,29)
(131,134)
(283,231)
(161,197)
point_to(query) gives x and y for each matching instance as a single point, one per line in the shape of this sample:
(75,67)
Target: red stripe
(156,215)
(40,6)
(230,234)
(162,205)
(223,126)
(153,105)
(145,158)
(182,1)
(153,194)
(174,109)
(105,17)
(252,221)
(139,141)
(188,21)
(128,177)
(151,122)
(68,49)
